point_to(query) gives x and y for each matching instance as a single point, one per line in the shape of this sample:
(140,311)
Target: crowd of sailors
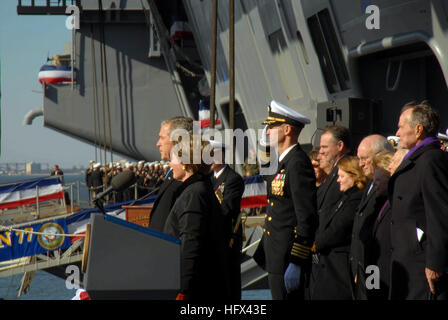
(149,176)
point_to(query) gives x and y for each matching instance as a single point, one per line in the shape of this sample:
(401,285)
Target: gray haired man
(366,214)
(418,195)
(167,192)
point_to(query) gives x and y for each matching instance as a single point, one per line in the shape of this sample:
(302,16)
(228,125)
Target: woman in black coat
(204,232)
(378,248)
(331,274)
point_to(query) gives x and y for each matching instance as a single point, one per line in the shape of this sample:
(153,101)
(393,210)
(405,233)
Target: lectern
(123,261)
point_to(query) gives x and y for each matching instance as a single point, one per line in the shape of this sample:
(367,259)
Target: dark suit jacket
(88,178)
(196,220)
(418,193)
(331,276)
(290,206)
(233,185)
(229,187)
(365,217)
(96,179)
(328,194)
(166,197)
(379,254)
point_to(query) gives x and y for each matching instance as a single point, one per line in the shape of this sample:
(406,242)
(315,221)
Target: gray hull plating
(141,93)
(301,53)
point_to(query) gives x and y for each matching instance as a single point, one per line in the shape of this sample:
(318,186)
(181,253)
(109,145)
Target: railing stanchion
(78,187)
(37,201)
(71,198)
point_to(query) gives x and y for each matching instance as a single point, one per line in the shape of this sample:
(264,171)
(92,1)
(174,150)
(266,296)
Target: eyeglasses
(363,159)
(366,159)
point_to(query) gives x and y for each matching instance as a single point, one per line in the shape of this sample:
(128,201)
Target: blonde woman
(197,221)
(382,170)
(331,275)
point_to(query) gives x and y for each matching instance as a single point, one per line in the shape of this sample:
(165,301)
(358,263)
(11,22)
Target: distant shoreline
(39,174)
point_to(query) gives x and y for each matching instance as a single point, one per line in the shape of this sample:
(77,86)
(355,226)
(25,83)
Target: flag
(180,30)
(255,194)
(23,193)
(56,74)
(35,239)
(204,115)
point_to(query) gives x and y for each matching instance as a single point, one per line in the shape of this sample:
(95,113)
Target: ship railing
(73,192)
(72,200)
(136,192)
(77,191)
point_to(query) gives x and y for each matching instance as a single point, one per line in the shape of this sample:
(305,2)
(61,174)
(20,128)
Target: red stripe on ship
(55,80)
(182,35)
(14,204)
(80,235)
(254,202)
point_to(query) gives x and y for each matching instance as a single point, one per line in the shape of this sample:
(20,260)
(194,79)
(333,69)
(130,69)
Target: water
(46,286)
(68,178)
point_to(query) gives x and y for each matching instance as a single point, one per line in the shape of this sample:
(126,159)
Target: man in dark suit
(366,214)
(291,219)
(88,177)
(57,172)
(334,145)
(96,179)
(168,190)
(418,195)
(229,188)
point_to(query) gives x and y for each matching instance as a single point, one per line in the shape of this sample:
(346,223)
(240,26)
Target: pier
(13,168)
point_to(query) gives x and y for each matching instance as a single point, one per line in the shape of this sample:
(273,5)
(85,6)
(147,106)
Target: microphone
(120,182)
(140,199)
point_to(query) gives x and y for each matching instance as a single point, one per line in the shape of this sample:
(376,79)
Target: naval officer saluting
(291,218)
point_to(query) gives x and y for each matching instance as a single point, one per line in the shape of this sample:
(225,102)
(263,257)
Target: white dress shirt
(284,153)
(217,174)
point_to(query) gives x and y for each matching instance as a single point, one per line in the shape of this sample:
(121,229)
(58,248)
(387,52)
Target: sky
(25,43)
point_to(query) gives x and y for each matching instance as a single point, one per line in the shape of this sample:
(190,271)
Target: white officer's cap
(394,140)
(279,113)
(442,136)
